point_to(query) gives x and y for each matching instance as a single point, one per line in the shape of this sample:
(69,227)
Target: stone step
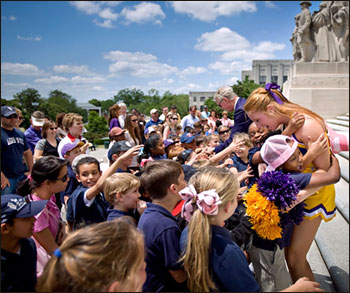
(342,198)
(344,167)
(339,128)
(345,118)
(338,122)
(332,240)
(344,155)
(319,269)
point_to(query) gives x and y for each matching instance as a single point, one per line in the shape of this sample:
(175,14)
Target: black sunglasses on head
(224,131)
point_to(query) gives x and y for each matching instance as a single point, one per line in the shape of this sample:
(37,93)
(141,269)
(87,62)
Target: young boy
(188,141)
(18,251)
(118,149)
(162,180)
(121,190)
(87,205)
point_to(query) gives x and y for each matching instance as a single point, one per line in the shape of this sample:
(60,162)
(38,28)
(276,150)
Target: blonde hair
(212,136)
(242,136)
(95,257)
(119,182)
(196,259)
(260,98)
(202,163)
(69,118)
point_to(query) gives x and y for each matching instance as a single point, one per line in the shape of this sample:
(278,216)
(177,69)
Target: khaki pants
(270,269)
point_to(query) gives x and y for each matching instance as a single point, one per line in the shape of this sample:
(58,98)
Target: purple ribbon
(274,86)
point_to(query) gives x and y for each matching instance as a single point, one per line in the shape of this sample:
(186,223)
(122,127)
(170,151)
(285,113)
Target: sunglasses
(175,118)
(13,116)
(64,178)
(20,118)
(223,132)
(134,120)
(53,128)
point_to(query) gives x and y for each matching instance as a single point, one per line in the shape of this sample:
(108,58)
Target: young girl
(114,112)
(211,259)
(121,190)
(104,257)
(268,107)
(153,148)
(49,176)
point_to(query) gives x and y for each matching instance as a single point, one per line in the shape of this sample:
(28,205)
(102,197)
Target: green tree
(29,100)
(213,106)
(129,96)
(244,88)
(97,125)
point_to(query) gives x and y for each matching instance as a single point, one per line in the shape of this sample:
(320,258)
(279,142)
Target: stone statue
(340,21)
(326,49)
(294,40)
(304,41)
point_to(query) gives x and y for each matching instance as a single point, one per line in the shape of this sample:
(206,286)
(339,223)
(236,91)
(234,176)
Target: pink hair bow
(144,161)
(30,177)
(207,202)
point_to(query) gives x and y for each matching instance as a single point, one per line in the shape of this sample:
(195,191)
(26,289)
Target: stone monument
(319,76)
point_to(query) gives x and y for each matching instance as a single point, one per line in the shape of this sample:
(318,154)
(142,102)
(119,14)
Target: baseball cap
(153,111)
(70,146)
(187,137)
(119,146)
(149,130)
(276,150)
(37,121)
(168,142)
(16,206)
(115,131)
(7,111)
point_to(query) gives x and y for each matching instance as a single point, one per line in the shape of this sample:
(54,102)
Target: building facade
(198,98)
(265,71)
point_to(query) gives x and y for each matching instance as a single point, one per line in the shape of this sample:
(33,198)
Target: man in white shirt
(189,119)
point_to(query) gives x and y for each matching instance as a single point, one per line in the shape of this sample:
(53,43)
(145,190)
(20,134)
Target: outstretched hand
(131,152)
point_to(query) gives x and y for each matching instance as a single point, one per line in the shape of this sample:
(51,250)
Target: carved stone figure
(304,35)
(294,38)
(340,21)
(326,49)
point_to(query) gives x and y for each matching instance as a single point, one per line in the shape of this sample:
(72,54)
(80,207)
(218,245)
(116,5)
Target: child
(162,180)
(87,204)
(211,259)
(213,140)
(188,141)
(49,176)
(117,150)
(104,257)
(154,148)
(69,151)
(121,190)
(18,251)
(267,256)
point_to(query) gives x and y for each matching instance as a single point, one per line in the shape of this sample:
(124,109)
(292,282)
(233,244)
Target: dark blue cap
(16,206)
(187,137)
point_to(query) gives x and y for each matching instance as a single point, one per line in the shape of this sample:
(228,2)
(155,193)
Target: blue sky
(93,49)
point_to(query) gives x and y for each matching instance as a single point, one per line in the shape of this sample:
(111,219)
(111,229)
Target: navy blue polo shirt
(80,214)
(18,271)
(228,265)
(72,184)
(162,236)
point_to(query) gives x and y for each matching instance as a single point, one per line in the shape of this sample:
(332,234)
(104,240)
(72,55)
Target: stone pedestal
(322,87)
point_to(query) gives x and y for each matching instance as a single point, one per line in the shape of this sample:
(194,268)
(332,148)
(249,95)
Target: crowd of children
(175,221)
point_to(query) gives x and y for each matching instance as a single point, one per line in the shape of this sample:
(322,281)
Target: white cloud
(221,40)
(188,87)
(11,17)
(51,80)
(20,69)
(83,80)
(107,23)
(88,7)
(161,82)
(14,85)
(64,68)
(107,13)
(143,12)
(193,70)
(210,10)
(38,38)
(228,67)
(137,64)
(111,3)
(270,4)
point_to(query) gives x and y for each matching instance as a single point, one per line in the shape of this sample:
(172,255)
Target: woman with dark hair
(61,133)
(113,117)
(132,134)
(49,143)
(49,176)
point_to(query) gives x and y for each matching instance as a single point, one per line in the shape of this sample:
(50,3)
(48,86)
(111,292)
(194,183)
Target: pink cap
(276,150)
